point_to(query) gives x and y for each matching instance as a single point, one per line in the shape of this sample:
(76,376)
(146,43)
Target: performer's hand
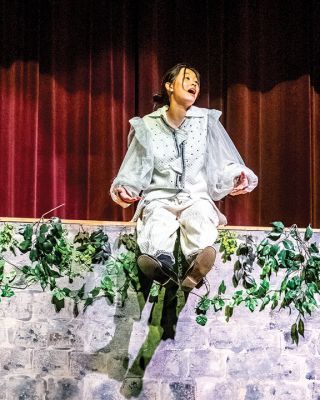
(125,196)
(241,185)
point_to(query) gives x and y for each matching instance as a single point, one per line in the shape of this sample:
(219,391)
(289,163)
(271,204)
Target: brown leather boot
(199,268)
(152,269)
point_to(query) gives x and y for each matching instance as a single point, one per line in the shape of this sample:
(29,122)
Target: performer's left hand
(241,185)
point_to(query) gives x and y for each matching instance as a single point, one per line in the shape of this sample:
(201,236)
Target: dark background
(73,72)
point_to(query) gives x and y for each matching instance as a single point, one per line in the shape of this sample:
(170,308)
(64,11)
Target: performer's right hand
(125,196)
(241,185)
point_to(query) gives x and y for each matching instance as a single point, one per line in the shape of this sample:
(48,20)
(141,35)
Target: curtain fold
(73,73)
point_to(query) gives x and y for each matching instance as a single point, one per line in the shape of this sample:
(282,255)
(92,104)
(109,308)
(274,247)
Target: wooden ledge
(130,224)
(68,221)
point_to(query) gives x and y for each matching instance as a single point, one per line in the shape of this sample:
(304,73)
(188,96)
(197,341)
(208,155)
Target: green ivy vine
(50,254)
(284,250)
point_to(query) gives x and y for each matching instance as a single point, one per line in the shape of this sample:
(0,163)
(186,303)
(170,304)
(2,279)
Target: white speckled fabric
(198,159)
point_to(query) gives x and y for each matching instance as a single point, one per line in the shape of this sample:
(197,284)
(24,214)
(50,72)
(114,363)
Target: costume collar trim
(193,111)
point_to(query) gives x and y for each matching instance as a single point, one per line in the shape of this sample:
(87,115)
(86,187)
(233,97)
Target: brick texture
(153,351)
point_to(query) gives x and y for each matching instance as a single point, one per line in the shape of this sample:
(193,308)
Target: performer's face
(185,88)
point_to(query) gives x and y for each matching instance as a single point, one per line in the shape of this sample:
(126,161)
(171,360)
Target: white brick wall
(112,353)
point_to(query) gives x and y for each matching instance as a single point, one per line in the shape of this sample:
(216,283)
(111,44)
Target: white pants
(157,226)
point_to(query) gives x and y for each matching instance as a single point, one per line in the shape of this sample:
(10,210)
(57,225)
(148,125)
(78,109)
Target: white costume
(179,172)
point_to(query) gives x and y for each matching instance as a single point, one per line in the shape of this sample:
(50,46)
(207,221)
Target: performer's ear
(169,87)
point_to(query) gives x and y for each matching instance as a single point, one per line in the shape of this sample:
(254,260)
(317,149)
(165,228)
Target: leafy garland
(52,255)
(283,250)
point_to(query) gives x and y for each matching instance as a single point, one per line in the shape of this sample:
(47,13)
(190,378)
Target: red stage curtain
(73,73)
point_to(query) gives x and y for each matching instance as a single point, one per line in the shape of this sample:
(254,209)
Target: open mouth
(192,91)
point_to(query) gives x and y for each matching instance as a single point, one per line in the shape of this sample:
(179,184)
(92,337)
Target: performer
(180,159)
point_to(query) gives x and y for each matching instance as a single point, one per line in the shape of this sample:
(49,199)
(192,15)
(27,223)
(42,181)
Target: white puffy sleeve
(135,172)
(223,161)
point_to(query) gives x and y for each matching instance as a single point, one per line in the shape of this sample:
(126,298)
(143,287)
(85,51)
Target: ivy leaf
(88,302)
(43,229)
(273,263)
(95,291)
(251,303)
(312,288)
(283,285)
(113,267)
(81,237)
(277,226)
(228,311)
(129,241)
(249,279)
(288,244)
(299,257)
(316,258)
(80,293)
(266,250)
(274,250)
(301,327)
(294,334)
(203,304)
(33,255)
(308,233)
(222,288)
(237,266)
(13,250)
(7,291)
(59,294)
(155,288)
(109,295)
(41,239)
(75,310)
(54,274)
(217,304)
(25,246)
(106,283)
(201,319)
(274,235)
(27,232)
(57,302)
(313,248)
(237,297)
(265,271)
(47,246)
(275,301)
(242,250)
(2,264)
(108,287)
(56,227)
(293,283)
(238,275)
(283,257)
(235,282)
(265,302)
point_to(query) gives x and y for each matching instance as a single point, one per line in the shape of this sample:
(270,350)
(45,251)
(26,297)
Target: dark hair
(170,76)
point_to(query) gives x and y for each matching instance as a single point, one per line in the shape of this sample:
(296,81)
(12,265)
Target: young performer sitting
(180,159)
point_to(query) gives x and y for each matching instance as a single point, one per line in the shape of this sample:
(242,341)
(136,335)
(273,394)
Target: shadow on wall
(161,326)
(114,359)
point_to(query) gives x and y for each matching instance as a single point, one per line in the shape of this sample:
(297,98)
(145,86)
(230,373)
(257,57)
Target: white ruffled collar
(193,111)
